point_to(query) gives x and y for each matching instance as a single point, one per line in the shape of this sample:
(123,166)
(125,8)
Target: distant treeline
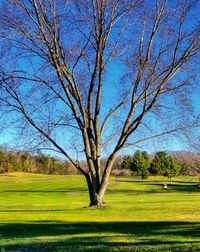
(162,164)
(11,161)
(140,163)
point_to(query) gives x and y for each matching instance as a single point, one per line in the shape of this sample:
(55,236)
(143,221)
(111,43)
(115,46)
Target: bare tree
(102,70)
(195,166)
(191,160)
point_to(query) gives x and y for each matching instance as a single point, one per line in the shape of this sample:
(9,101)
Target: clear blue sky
(8,136)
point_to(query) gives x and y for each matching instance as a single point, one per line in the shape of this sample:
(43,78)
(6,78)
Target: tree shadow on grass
(101,236)
(180,187)
(158,187)
(185,182)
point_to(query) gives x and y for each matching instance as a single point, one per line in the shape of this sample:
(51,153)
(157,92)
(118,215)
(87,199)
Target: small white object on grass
(165,186)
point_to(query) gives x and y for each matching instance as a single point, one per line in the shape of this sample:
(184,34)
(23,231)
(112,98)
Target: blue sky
(8,136)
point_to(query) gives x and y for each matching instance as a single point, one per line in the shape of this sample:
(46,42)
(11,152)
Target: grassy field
(50,213)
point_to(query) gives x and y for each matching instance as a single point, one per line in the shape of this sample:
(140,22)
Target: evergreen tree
(172,168)
(141,164)
(164,164)
(127,162)
(158,165)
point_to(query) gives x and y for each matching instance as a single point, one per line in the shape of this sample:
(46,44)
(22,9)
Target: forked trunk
(96,195)
(96,186)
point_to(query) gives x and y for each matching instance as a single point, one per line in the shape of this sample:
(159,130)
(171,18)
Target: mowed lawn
(50,213)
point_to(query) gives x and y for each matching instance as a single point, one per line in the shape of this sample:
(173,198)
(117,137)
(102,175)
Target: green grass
(50,213)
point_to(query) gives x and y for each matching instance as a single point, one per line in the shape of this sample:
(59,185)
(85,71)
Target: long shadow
(98,245)
(97,236)
(181,188)
(185,182)
(158,187)
(150,182)
(156,190)
(134,192)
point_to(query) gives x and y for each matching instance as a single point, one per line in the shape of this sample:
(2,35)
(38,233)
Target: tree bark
(94,188)
(96,199)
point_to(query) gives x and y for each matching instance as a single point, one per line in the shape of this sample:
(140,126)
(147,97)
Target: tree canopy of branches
(63,62)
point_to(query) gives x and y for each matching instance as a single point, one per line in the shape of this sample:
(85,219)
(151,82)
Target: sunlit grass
(50,213)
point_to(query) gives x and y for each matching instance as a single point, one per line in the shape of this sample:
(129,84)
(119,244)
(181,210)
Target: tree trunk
(96,198)
(96,186)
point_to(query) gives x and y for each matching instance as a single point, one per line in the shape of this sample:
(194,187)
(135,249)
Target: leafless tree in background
(191,160)
(196,166)
(102,70)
